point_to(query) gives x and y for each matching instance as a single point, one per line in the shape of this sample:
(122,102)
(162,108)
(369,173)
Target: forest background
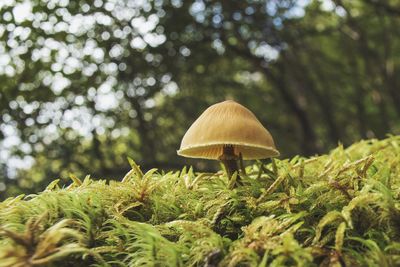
(85,84)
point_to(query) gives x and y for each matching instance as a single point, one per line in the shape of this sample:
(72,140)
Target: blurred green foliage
(84,84)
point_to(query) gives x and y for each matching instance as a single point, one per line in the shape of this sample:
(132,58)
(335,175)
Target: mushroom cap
(227,123)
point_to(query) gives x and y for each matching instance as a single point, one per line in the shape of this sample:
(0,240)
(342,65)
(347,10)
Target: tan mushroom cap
(227,123)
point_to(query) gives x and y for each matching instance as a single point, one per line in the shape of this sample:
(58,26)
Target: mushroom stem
(229,159)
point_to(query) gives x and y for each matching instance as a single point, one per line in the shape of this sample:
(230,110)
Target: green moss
(339,209)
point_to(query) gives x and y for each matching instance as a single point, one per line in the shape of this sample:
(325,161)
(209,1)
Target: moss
(339,209)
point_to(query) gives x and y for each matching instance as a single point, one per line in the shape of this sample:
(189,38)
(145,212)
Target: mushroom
(227,131)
